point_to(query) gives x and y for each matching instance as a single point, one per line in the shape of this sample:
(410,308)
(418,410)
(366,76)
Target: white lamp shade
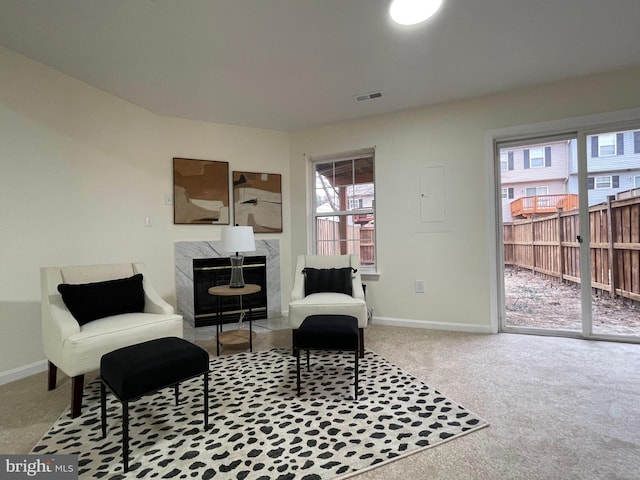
(238,239)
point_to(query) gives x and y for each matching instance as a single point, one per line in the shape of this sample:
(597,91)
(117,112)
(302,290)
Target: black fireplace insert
(211,272)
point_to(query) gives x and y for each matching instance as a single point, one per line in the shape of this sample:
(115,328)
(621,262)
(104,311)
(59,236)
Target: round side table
(238,336)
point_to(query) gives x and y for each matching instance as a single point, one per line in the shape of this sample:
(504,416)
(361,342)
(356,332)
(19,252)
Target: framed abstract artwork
(257,201)
(200,192)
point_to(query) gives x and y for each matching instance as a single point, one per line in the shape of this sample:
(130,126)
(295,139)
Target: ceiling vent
(362,97)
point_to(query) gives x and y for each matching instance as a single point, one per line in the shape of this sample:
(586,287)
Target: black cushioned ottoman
(327,332)
(138,370)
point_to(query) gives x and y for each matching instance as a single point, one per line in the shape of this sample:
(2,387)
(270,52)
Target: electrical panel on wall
(431,208)
(432,194)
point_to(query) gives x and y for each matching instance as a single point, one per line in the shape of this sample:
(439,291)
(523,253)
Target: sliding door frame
(580,127)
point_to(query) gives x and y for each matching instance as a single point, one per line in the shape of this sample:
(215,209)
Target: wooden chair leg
(77,385)
(361,331)
(53,375)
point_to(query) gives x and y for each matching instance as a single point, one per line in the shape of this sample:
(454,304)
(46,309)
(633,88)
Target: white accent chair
(328,303)
(76,349)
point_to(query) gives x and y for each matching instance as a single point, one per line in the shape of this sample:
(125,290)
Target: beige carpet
(559,408)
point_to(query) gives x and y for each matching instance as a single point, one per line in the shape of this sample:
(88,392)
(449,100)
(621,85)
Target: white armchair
(77,349)
(328,303)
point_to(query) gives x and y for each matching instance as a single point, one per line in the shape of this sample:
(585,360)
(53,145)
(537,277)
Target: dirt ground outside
(535,301)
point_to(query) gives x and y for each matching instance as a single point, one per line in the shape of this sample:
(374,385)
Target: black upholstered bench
(138,370)
(327,332)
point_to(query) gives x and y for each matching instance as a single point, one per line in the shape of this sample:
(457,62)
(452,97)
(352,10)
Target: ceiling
(294,64)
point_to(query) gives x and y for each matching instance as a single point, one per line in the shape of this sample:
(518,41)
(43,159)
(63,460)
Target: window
(636,181)
(605,181)
(507,193)
(355,203)
(506,161)
(608,144)
(344,183)
(532,191)
(536,157)
(636,142)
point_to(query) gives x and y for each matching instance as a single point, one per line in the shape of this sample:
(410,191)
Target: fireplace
(211,272)
(188,251)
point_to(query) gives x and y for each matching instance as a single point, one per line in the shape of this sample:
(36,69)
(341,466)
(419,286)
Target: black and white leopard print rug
(259,428)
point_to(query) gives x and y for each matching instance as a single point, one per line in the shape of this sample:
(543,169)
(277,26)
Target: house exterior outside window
(603,182)
(609,144)
(613,169)
(529,166)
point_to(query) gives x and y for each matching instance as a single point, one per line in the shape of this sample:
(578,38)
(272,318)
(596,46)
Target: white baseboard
(454,327)
(41,366)
(23,372)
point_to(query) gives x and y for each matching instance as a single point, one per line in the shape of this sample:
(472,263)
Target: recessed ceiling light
(410,12)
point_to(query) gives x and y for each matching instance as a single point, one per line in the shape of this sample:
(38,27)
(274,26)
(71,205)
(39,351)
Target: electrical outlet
(419,286)
(168,199)
(148,222)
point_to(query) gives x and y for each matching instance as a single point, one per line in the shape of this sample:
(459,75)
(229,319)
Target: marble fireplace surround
(186,251)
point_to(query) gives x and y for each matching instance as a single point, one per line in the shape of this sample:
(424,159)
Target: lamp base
(237,279)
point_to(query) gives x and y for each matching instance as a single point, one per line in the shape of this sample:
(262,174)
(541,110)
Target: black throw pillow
(337,280)
(91,301)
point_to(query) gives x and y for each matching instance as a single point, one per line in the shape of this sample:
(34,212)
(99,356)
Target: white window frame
(504,161)
(608,140)
(601,178)
(356,204)
(505,193)
(636,181)
(370,269)
(538,191)
(539,159)
(581,128)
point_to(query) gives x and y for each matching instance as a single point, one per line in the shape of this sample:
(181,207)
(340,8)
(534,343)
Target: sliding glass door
(540,225)
(560,279)
(613,190)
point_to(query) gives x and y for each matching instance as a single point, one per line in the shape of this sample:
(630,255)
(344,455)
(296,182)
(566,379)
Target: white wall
(80,170)
(453,257)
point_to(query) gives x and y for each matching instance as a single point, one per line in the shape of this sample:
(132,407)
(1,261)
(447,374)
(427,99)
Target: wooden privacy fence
(354,239)
(548,245)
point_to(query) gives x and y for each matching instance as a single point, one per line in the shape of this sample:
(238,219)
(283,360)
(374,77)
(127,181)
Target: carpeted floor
(559,408)
(260,429)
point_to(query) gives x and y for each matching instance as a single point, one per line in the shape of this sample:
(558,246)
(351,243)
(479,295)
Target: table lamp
(237,239)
